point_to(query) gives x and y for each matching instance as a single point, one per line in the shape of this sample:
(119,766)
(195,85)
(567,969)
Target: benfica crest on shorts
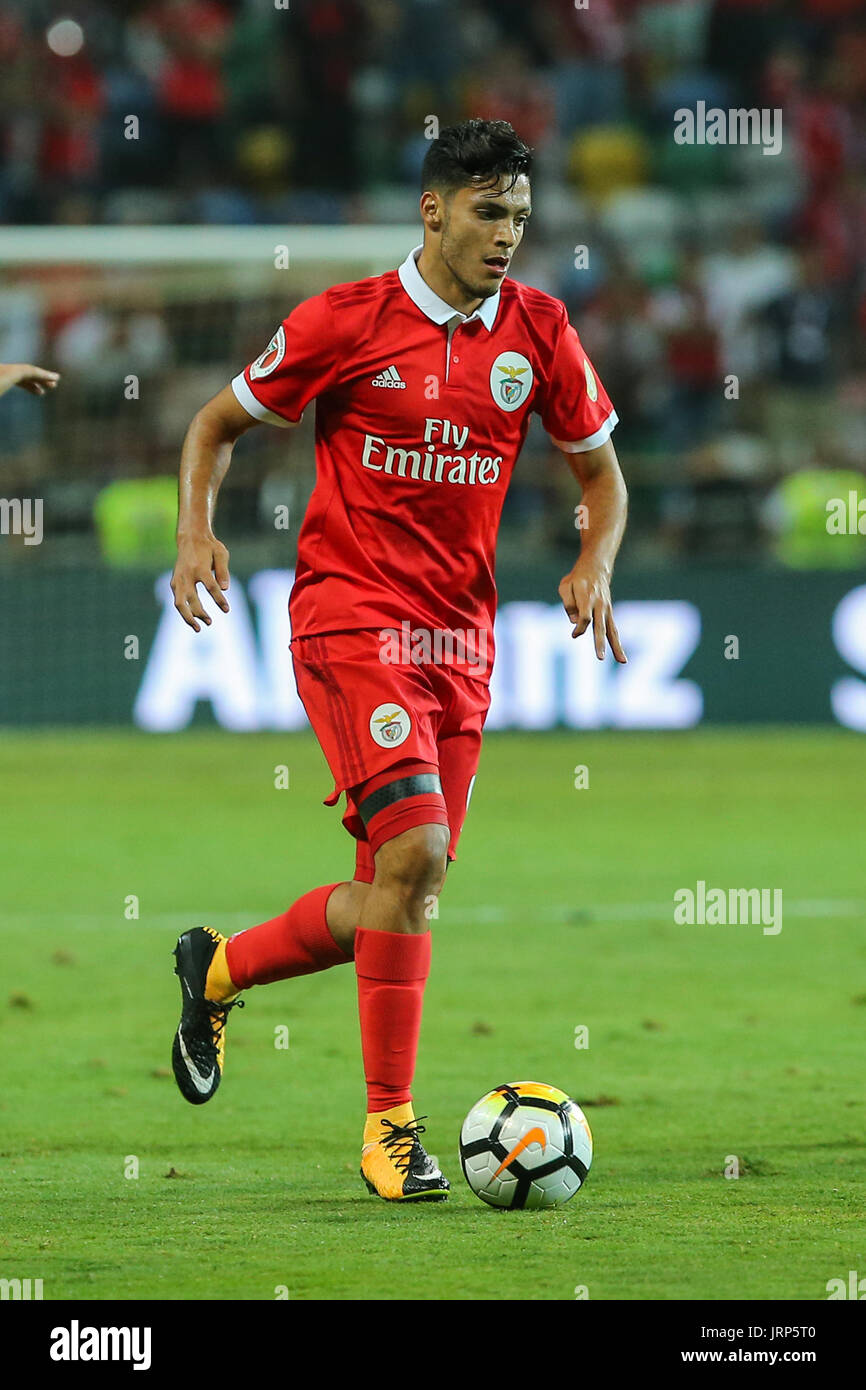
(390,725)
(511,380)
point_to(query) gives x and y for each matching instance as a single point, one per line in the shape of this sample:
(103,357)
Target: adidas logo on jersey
(390,378)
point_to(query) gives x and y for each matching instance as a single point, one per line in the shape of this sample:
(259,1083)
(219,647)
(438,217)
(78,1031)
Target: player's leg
(405,893)
(404,814)
(297,942)
(214,969)
(392,945)
(318,930)
(316,933)
(392,963)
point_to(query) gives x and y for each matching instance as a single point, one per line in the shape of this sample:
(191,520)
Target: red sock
(297,942)
(392,970)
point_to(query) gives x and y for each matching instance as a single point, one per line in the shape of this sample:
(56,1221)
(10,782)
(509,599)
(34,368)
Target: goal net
(145,325)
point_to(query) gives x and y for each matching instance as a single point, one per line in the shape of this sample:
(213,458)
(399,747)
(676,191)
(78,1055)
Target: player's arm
(299,363)
(36,380)
(207,453)
(585,591)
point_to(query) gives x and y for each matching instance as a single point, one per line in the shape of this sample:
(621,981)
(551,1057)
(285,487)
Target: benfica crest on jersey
(510,380)
(511,389)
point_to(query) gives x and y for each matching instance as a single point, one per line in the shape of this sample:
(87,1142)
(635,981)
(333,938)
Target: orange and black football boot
(198,1053)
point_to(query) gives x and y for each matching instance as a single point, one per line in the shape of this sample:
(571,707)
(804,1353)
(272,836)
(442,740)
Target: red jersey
(421,413)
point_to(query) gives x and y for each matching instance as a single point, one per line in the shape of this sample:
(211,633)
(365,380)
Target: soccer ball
(525,1145)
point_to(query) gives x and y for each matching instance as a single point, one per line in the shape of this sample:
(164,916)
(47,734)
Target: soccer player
(424,379)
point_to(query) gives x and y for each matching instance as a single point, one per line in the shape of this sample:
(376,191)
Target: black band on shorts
(422,784)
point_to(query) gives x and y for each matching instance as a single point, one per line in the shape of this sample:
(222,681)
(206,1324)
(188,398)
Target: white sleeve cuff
(582,446)
(255,408)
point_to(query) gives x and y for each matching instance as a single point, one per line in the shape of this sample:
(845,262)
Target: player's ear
(432,209)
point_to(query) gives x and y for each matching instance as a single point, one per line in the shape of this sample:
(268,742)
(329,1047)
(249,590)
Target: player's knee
(414,862)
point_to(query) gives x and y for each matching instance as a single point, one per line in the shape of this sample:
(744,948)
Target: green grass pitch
(705,1042)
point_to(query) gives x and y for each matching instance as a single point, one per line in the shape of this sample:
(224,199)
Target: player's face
(481,230)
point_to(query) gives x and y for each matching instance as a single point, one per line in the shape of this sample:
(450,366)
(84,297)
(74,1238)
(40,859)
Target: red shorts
(370,716)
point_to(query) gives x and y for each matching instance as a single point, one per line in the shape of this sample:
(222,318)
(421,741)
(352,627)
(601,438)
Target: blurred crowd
(719,290)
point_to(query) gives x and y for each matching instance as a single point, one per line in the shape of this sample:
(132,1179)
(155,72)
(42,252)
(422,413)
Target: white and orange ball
(525,1145)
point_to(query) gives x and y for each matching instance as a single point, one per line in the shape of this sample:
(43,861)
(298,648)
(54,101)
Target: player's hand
(36,380)
(585,594)
(200,560)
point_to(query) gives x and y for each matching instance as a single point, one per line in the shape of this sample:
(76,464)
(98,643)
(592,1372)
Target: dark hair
(475,150)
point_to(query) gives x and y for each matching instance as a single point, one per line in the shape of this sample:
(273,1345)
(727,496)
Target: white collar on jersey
(435,308)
